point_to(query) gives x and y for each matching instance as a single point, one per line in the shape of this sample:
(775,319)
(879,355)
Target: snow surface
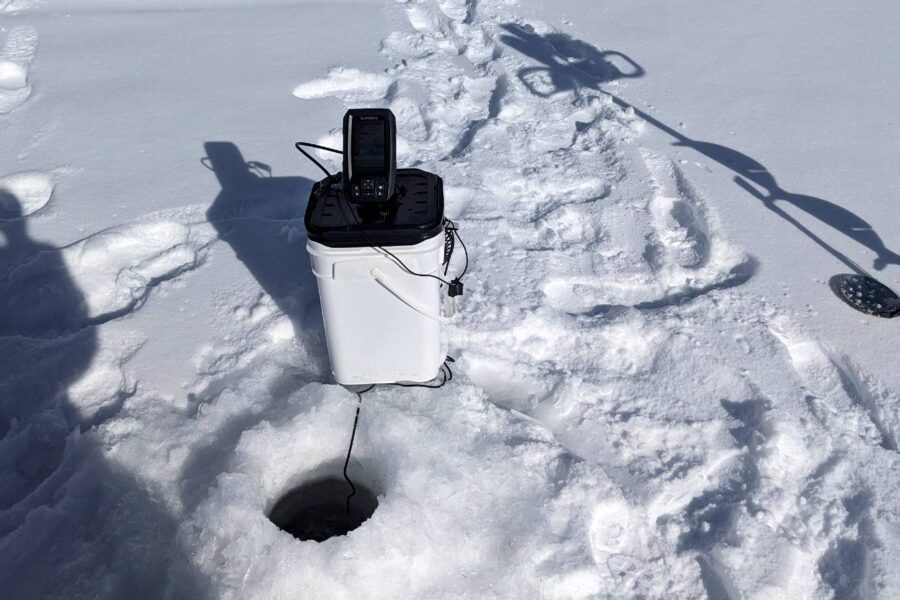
(650,401)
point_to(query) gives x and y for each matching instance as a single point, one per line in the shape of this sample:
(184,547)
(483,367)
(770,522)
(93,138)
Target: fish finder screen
(368,144)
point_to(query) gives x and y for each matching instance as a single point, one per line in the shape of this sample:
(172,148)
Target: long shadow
(71,523)
(261,217)
(570,65)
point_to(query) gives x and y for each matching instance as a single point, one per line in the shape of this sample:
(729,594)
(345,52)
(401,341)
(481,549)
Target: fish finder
(370,155)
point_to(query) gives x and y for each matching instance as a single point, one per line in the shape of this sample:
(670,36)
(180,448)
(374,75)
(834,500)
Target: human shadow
(261,217)
(571,65)
(69,519)
(44,347)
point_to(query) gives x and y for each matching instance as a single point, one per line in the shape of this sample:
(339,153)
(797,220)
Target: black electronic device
(370,155)
(414,214)
(375,205)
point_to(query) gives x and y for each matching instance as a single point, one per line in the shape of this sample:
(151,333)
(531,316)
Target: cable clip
(455,288)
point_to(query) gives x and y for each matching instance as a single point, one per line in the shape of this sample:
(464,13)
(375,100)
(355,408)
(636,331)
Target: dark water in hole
(318,510)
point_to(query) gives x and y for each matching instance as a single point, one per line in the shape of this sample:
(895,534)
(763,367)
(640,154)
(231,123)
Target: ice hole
(317,510)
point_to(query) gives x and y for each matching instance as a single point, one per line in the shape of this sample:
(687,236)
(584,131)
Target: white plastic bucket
(382,324)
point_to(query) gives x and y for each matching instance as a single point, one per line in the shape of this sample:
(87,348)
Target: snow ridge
(120,266)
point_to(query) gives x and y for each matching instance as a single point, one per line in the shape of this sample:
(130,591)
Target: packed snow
(645,401)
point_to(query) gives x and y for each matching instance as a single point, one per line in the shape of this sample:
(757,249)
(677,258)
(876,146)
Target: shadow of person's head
(9,206)
(38,297)
(12,224)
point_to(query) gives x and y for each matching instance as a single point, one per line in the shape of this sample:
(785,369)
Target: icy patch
(31,190)
(346,83)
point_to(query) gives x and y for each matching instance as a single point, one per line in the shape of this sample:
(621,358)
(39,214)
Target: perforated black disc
(866,295)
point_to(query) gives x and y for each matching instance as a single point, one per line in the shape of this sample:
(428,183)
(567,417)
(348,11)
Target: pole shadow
(571,65)
(72,524)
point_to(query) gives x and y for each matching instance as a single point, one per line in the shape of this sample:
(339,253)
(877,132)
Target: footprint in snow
(348,84)
(15,60)
(620,541)
(14,6)
(839,393)
(685,255)
(29,190)
(681,231)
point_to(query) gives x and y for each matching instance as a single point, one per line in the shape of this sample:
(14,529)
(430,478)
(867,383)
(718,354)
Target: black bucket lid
(415,214)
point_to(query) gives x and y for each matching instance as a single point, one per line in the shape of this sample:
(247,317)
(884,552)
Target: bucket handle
(382,279)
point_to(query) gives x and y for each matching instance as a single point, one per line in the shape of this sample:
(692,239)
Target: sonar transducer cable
(299,146)
(350,448)
(446,374)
